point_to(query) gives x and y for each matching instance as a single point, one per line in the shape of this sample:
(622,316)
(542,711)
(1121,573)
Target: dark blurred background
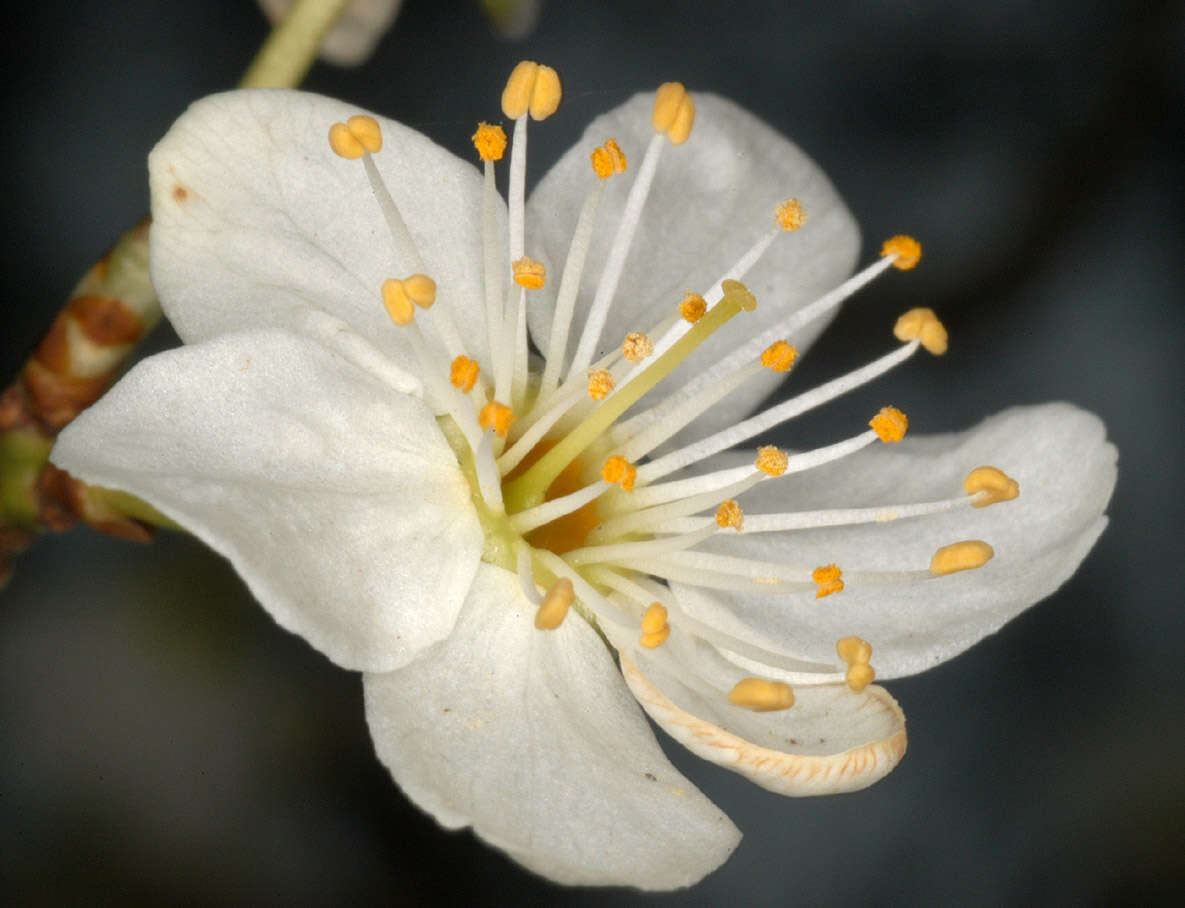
(161,739)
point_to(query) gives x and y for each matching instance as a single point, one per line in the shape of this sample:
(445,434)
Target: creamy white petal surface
(1066,471)
(254,220)
(831,741)
(530,737)
(331,491)
(712,198)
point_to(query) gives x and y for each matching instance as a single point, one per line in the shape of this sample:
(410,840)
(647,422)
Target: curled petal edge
(793,775)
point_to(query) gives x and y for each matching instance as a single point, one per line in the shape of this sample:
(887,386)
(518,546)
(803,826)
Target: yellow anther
(357,136)
(496,416)
(655,629)
(739,294)
(619,471)
(516,96)
(907,251)
(490,141)
(608,159)
(529,273)
(890,424)
(827,580)
(771,461)
(554,608)
(854,650)
(761,696)
(859,675)
(989,486)
(463,373)
(636,346)
(693,307)
(924,325)
(729,514)
(531,88)
(400,307)
(421,289)
(655,640)
(674,112)
(600,384)
(546,96)
(779,356)
(961,556)
(790,214)
(655,618)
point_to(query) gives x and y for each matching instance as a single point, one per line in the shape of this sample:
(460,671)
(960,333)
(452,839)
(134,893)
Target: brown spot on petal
(180,193)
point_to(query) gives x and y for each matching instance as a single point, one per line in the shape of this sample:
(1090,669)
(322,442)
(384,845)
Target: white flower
(366,494)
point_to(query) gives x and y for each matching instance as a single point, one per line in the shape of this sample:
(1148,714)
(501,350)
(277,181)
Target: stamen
(961,556)
(636,346)
(828,579)
(693,307)
(556,603)
(990,486)
(674,112)
(729,514)
(761,695)
(801,520)
(533,518)
(890,424)
(856,653)
(608,159)
(771,461)
(490,141)
(779,356)
(400,306)
(790,215)
(531,88)
(570,281)
(526,580)
(853,649)
(604,610)
(600,384)
(904,251)
(463,373)
(655,629)
(619,471)
(924,325)
(529,273)
(357,136)
(622,552)
(496,416)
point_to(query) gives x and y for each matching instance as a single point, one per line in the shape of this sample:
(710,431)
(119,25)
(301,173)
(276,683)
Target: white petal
(530,737)
(711,199)
(353,38)
(255,219)
(332,492)
(832,740)
(1066,471)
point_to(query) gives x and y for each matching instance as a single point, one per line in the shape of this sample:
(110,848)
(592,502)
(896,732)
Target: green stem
(291,48)
(529,489)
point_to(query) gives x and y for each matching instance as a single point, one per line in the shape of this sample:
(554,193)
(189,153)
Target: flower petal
(832,740)
(530,737)
(712,198)
(255,218)
(1066,471)
(332,492)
